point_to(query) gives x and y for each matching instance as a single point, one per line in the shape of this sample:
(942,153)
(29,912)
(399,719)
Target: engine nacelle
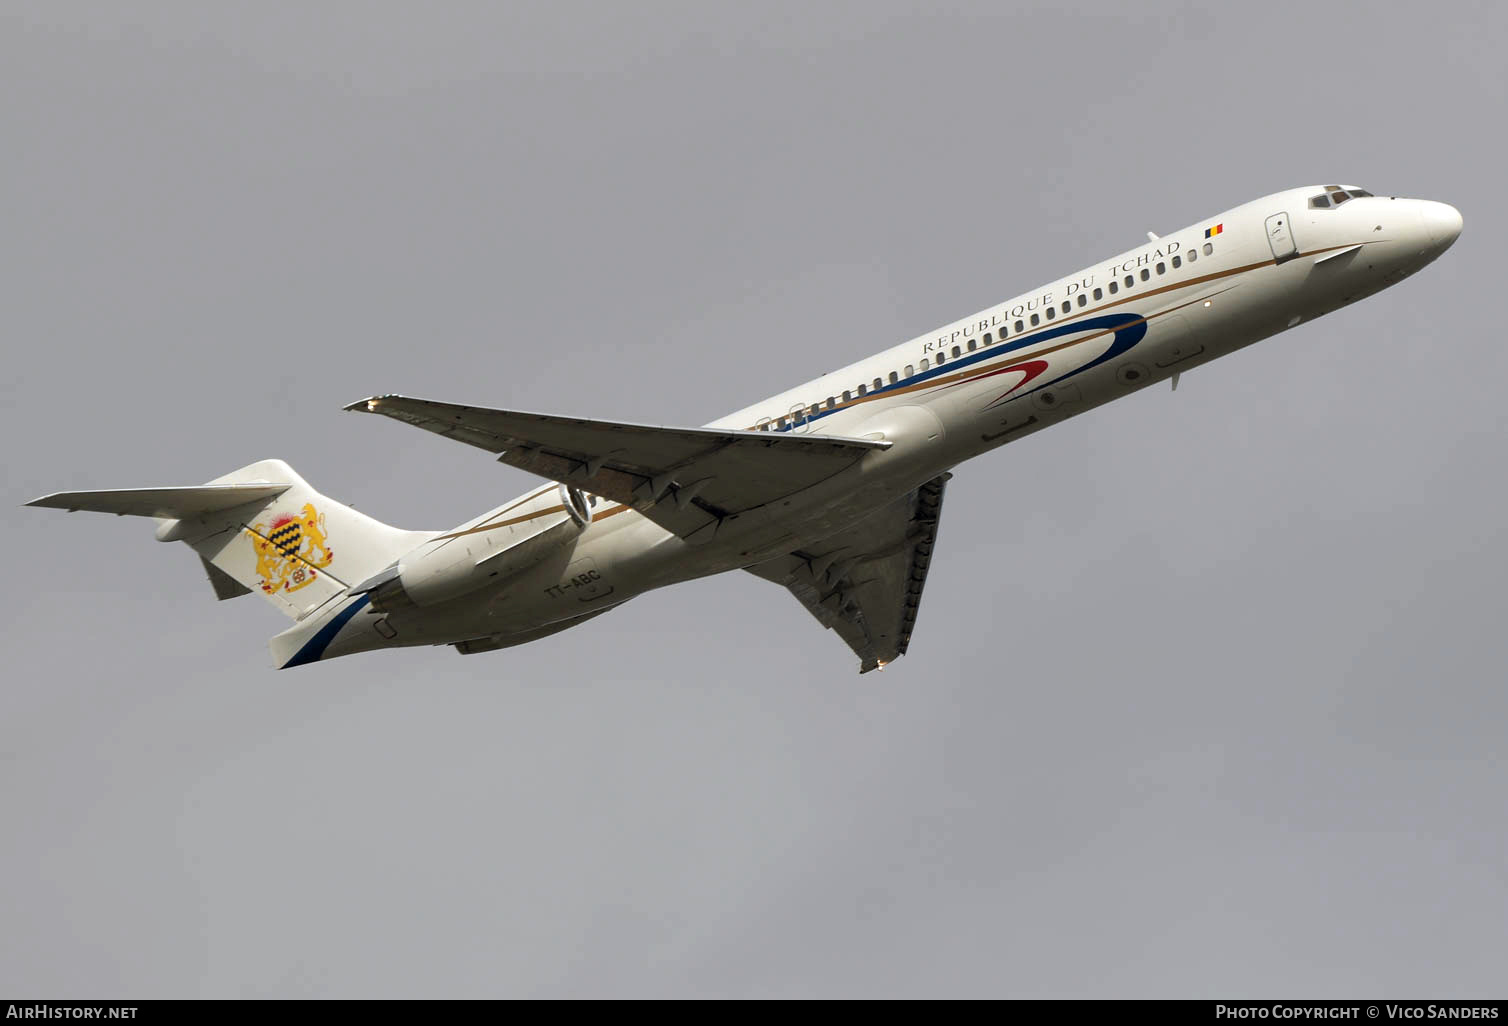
(489,550)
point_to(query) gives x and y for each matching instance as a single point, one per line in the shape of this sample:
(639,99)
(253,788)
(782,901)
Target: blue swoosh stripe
(315,647)
(1129,328)
(1125,338)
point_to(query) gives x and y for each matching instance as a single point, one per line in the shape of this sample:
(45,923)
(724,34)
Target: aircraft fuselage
(1121,324)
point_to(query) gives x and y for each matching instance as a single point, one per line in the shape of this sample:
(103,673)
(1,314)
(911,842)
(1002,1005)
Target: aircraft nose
(1442,221)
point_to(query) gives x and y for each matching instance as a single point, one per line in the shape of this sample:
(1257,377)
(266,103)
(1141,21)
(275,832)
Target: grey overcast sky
(1207,696)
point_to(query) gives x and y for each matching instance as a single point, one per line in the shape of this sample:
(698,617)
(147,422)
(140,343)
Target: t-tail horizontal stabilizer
(164,503)
(264,529)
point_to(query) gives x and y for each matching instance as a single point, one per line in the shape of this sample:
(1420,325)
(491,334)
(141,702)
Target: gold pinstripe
(491,524)
(1097,311)
(494,524)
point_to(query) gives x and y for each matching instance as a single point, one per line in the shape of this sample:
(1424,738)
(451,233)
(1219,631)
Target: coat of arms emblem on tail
(291,552)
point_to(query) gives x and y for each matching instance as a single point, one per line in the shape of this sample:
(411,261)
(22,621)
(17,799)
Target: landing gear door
(1280,237)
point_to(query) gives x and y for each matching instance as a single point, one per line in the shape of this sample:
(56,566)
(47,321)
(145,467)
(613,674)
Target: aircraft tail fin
(261,529)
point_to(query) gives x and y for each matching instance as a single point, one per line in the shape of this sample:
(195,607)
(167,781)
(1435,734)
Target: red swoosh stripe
(1028,370)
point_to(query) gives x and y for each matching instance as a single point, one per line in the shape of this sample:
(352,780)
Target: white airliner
(832,490)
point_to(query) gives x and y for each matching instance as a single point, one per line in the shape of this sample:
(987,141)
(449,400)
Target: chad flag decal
(1210,233)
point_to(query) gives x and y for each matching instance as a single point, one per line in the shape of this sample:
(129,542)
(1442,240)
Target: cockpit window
(1334,196)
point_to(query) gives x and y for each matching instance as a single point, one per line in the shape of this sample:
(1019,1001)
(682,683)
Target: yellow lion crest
(292,551)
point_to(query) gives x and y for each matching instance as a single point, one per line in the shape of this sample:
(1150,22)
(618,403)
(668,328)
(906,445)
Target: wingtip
(371,403)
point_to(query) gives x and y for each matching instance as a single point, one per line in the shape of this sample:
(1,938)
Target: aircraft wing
(866,582)
(712,475)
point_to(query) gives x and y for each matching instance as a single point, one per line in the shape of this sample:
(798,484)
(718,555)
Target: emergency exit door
(1280,237)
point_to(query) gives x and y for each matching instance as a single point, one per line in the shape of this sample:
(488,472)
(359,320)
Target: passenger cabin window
(1036,320)
(1177,262)
(863,390)
(1209,249)
(986,341)
(1021,326)
(1145,274)
(1130,281)
(1099,294)
(958,352)
(910,370)
(879,383)
(894,377)
(1051,313)
(924,365)
(847,395)
(1162,268)
(1114,288)
(1083,299)
(1193,255)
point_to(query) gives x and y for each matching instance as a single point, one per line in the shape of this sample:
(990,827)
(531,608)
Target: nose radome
(1442,221)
